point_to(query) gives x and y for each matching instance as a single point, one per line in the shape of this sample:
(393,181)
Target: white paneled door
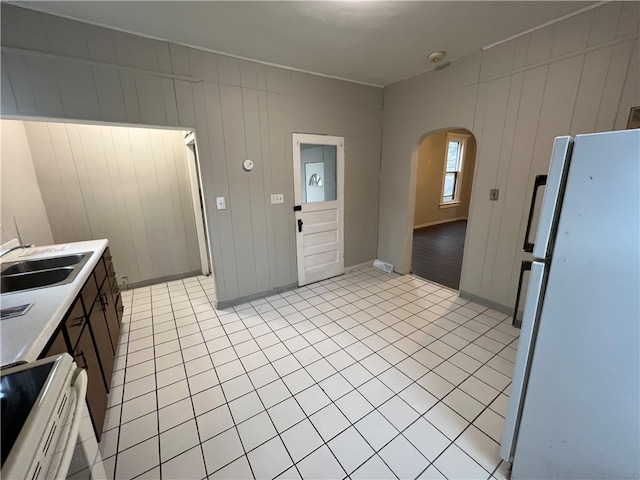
(318,173)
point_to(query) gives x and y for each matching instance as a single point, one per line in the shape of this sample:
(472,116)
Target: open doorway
(132,185)
(446,161)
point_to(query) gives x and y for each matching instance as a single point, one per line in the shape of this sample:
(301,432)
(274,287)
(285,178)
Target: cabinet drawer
(75,322)
(89,293)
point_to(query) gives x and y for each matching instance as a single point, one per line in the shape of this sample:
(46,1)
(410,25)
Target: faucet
(24,245)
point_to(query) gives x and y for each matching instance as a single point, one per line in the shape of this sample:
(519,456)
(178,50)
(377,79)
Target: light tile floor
(367,375)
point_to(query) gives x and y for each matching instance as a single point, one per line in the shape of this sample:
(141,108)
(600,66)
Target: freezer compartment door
(552,197)
(523,356)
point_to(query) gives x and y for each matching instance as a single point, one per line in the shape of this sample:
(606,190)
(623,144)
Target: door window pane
(318,169)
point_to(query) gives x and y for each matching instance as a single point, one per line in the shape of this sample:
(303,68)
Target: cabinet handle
(121,308)
(78,323)
(84,360)
(106,300)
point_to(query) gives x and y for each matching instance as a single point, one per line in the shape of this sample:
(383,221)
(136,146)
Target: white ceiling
(377,43)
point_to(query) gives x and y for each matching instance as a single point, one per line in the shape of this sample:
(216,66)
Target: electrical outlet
(277,198)
(494,194)
(221,204)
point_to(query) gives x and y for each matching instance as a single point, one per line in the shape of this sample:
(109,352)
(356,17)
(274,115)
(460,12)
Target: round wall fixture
(247,165)
(435,57)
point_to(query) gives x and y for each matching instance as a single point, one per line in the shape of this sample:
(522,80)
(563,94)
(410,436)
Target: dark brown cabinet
(102,341)
(57,345)
(110,313)
(90,333)
(75,322)
(85,356)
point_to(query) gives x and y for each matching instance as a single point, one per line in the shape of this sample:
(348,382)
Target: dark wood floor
(437,252)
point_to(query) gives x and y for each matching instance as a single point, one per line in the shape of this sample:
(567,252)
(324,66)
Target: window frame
(460,138)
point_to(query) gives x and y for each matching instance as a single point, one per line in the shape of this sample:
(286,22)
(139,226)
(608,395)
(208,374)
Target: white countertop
(22,339)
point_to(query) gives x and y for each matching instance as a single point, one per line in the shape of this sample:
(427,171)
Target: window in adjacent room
(454,154)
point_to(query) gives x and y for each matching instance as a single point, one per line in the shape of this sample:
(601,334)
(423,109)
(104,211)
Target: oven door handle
(79,384)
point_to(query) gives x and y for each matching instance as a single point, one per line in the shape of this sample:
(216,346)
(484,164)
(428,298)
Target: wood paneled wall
(23,212)
(129,185)
(579,75)
(55,67)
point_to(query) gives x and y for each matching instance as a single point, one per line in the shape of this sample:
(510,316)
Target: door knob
(299,225)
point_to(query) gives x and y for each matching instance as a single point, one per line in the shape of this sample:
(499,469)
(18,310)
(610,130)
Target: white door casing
(319,222)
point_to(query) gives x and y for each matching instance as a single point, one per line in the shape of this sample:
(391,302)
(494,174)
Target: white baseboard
(438,222)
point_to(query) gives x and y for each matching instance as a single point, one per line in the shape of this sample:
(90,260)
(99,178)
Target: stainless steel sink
(46,272)
(43,264)
(26,281)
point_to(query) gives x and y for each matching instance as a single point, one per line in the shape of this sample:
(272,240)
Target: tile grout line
(360,340)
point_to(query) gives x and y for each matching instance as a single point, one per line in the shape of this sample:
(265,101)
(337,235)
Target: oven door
(65,446)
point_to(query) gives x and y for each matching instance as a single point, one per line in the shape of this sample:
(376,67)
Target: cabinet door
(119,308)
(74,322)
(102,340)
(85,357)
(109,308)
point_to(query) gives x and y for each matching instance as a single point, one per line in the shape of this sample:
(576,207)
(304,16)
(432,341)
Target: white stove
(43,405)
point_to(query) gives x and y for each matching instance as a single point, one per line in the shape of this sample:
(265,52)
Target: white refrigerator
(574,410)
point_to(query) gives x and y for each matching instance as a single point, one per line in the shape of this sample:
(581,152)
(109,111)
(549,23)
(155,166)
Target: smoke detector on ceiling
(435,57)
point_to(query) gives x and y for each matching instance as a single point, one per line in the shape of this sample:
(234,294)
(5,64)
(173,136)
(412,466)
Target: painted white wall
(60,68)
(579,75)
(129,185)
(22,204)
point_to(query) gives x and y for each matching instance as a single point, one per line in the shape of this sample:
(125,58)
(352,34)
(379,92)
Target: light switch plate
(494,194)
(221,204)
(277,198)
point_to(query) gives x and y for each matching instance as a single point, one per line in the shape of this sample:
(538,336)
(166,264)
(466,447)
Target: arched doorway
(444,177)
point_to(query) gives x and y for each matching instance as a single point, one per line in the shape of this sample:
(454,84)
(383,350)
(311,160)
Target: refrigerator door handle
(540,181)
(526,266)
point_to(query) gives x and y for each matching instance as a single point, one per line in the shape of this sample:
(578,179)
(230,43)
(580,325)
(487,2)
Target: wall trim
(439,222)
(486,302)
(98,63)
(546,24)
(561,58)
(204,49)
(220,305)
(155,281)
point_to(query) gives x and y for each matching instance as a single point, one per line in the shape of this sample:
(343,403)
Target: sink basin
(43,264)
(26,281)
(39,273)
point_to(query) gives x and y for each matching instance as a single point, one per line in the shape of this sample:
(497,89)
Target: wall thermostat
(247,165)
